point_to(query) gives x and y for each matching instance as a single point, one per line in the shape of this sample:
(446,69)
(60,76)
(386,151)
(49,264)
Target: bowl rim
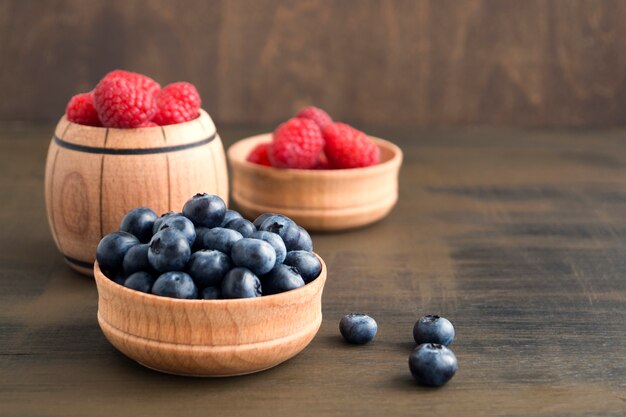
(314,286)
(394,161)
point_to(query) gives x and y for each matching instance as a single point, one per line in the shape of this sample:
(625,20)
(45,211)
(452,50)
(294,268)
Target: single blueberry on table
(157,223)
(220,239)
(256,255)
(230,215)
(308,265)
(358,328)
(433,329)
(243,226)
(259,220)
(169,251)
(205,210)
(208,267)
(181,224)
(136,259)
(275,240)
(175,284)
(432,364)
(280,279)
(112,249)
(139,222)
(241,283)
(140,281)
(211,293)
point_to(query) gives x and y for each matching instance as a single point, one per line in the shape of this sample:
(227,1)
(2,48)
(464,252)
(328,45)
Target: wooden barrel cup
(95,175)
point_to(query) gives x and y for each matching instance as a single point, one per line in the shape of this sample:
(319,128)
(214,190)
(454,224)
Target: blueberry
(243,226)
(169,251)
(259,220)
(208,267)
(433,329)
(205,210)
(112,248)
(230,215)
(136,259)
(181,224)
(140,281)
(273,222)
(358,328)
(139,222)
(241,283)
(200,234)
(157,223)
(256,255)
(432,364)
(117,277)
(280,279)
(303,242)
(308,265)
(275,240)
(211,293)
(175,284)
(283,226)
(221,239)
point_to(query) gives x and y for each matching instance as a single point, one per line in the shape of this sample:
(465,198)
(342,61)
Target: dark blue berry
(358,328)
(275,240)
(243,226)
(211,293)
(303,242)
(259,220)
(175,284)
(230,215)
(273,222)
(140,281)
(198,243)
(181,224)
(433,329)
(256,255)
(116,276)
(157,223)
(208,267)
(241,283)
(308,265)
(286,228)
(169,251)
(220,239)
(205,210)
(136,259)
(112,248)
(432,364)
(139,222)
(280,279)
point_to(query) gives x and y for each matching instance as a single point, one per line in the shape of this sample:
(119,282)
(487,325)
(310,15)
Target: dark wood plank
(410,63)
(517,236)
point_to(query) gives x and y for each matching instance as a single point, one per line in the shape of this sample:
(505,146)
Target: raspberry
(177,103)
(297,144)
(347,147)
(316,114)
(148,123)
(80,110)
(143,81)
(120,103)
(323,162)
(258,155)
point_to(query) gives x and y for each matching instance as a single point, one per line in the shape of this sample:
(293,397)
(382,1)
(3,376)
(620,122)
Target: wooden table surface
(518,237)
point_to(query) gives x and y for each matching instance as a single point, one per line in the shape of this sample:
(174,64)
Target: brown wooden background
(409,63)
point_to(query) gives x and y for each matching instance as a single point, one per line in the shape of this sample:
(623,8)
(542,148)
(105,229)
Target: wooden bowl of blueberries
(205,292)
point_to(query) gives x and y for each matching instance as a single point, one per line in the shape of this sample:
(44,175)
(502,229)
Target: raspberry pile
(312,140)
(124,99)
(208,252)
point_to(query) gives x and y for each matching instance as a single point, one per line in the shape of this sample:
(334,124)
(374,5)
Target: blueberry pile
(208,252)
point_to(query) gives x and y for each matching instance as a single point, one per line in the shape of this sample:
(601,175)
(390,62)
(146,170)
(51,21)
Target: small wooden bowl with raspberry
(319,198)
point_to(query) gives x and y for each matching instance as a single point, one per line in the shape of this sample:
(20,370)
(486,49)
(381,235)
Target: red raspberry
(143,81)
(323,162)
(148,123)
(347,147)
(258,155)
(177,103)
(120,103)
(80,110)
(297,144)
(316,114)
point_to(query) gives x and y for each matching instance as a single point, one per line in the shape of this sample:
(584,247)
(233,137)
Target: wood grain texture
(318,200)
(517,236)
(382,62)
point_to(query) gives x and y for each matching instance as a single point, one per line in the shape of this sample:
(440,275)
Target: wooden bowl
(94,175)
(209,337)
(321,200)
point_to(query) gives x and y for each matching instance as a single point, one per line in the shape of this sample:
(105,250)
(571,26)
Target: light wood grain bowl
(94,175)
(321,200)
(209,337)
